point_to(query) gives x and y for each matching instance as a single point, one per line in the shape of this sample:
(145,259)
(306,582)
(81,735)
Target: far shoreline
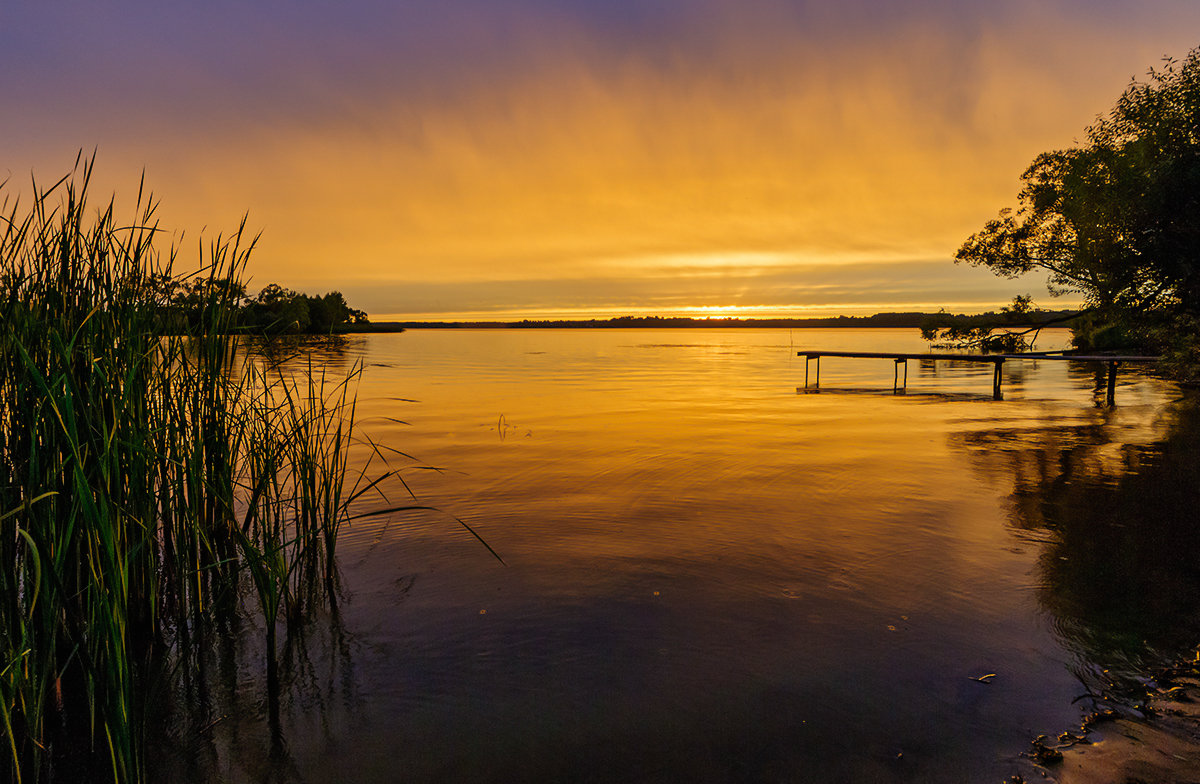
(910,320)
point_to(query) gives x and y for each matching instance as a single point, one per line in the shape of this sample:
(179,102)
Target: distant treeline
(907,319)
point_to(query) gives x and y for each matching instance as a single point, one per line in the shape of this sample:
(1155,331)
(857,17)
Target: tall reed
(154,479)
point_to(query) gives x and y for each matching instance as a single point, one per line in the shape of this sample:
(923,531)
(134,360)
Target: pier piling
(896,376)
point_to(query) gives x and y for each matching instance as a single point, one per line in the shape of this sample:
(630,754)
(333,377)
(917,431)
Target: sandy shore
(1161,748)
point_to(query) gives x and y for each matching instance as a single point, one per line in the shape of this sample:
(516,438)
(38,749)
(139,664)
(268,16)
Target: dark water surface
(712,576)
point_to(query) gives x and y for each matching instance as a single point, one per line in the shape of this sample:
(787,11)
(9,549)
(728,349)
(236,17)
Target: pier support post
(817,380)
(896,387)
(1111,397)
(997,375)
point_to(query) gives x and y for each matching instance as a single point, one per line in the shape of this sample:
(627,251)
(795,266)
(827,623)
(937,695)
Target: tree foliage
(275,310)
(992,332)
(1116,220)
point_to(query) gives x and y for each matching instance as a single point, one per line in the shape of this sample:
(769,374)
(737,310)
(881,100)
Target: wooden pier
(997,361)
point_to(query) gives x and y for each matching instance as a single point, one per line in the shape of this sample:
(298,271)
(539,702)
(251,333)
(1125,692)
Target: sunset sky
(546,158)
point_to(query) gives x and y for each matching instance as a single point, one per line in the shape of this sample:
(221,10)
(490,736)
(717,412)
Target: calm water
(714,576)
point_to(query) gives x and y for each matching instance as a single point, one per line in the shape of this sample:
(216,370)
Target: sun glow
(724,311)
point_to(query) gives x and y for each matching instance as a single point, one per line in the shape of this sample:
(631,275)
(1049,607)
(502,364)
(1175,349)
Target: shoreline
(1150,737)
(914,319)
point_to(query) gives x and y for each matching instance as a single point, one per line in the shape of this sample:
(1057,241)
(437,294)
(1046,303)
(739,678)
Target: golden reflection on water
(716,578)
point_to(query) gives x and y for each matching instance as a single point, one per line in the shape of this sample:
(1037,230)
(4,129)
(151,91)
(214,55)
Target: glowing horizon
(776,311)
(699,312)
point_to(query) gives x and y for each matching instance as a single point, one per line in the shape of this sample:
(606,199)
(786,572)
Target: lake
(713,575)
